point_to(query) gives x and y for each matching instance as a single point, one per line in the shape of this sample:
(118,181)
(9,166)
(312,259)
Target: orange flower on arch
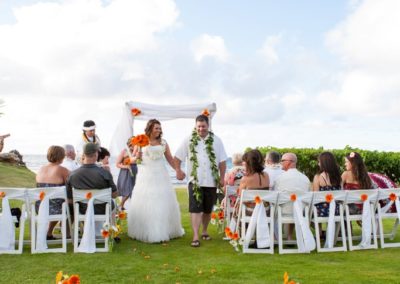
(122,215)
(42,194)
(74,279)
(221,215)
(393,196)
(293,197)
(88,195)
(364,197)
(257,199)
(2,194)
(235,236)
(136,111)
(105,233)
(206,112)
(329,197)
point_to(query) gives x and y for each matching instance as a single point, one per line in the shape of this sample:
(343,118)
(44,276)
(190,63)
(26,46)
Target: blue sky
(282,73)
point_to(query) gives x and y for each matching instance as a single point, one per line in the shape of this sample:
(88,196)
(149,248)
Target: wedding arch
(141,111)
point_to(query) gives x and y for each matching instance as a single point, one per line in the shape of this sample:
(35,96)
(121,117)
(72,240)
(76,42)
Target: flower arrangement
(218,218)
(140,141)
(286,279)
(42,194)
(136,111)
(293,197)
(66,279)
(364,197)
(112,232)
(393,197)
(234,238)
(88,195)
(329,198)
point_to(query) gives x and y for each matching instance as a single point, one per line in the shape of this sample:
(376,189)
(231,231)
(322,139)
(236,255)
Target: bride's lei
(86,139)
(194,141)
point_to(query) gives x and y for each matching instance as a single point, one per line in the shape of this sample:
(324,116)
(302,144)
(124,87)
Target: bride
(153,213)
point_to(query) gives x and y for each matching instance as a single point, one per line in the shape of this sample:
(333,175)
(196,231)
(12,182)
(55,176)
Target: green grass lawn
(214,262)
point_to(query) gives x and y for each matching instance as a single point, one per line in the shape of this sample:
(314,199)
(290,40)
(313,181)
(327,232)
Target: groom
(206,164)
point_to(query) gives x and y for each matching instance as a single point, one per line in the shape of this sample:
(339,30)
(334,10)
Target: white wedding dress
(153,213)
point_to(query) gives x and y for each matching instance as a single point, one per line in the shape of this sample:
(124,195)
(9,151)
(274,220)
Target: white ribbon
(330,231)
(42,224)
(397,208)
(259,224)
(88,241)
(7,232)
(366,225)
(304,236)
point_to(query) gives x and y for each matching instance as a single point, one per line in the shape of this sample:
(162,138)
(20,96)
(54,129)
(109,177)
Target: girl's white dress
(153,213)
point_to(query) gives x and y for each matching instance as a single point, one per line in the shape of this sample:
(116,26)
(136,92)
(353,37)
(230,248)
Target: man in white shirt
(69,161)
(88,135)
(206,160)
(273,167)
(291,181)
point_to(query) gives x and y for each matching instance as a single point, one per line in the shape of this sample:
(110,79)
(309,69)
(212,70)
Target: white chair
(392,195)
(300,202)
(231,191)
(40,220)
(334,222)
(366,218)
(88,241)
(260,223)
(7,221)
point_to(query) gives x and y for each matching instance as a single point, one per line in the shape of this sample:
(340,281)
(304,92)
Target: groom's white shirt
(204,173)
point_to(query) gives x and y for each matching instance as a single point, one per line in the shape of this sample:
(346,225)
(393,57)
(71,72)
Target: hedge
(387,163)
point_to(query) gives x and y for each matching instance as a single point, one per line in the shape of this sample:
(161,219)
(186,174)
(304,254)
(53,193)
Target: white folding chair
(88,241)
(40,220)
(367,197)
(231,191)
(391,195)
(300,202)
(260,223)
(335,223)
(7,221)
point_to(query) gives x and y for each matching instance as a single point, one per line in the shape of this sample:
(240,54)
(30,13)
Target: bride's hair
(150,126)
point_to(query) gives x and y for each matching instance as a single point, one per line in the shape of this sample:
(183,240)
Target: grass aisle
(214,262)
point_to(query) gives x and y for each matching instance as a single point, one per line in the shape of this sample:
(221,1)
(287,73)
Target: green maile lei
(194,141)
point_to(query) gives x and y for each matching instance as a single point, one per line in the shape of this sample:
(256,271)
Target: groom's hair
(202,117)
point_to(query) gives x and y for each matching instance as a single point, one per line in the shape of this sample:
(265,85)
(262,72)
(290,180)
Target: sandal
(195,244)
(206,237)
(50,238)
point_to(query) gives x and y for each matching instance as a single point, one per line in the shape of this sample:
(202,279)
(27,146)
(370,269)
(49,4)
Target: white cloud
(209,46)
(269,49)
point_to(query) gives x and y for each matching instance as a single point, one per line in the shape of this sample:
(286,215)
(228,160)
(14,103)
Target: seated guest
(355,177)
(291,181)
(52,175)
(90,176)
(273,167)
(327,179)
(69,161)
(255,177)
(103,159)
(233,177)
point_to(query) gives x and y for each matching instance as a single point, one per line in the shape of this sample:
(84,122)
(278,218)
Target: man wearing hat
(90,176)
(88,135)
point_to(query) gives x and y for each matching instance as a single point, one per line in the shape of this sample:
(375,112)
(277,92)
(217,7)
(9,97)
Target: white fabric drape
(42,224)
(124,129)
(88,241)
(304,237)
(7,232)
(259,225)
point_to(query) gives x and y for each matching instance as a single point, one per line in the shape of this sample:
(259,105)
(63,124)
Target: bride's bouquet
(140,141)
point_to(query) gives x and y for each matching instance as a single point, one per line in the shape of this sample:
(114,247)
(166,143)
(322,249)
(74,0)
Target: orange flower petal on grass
(292,282)
(42,194)
(364,197)
(74,279)
(2,194)
(393,196)
(257,199)
(88,195)
(59,276)
(293,197)
(329,197)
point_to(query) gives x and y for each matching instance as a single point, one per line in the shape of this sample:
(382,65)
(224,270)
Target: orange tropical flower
(88,195)
(292,282)
(65,281)
(122,215)
(227,230)
(221,215)
(42,194)
(59,276)
(105,233)
(235,236)
(141,140)
(393,196)
(364,197)
(2,194)
(329,197)
(74,279)
(293,197)
(126,161)
(136,111)
(213,215)
(285,278)
(206,112)
(257,199)
(230,235)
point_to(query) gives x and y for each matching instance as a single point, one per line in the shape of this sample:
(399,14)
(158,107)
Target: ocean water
(34,162)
